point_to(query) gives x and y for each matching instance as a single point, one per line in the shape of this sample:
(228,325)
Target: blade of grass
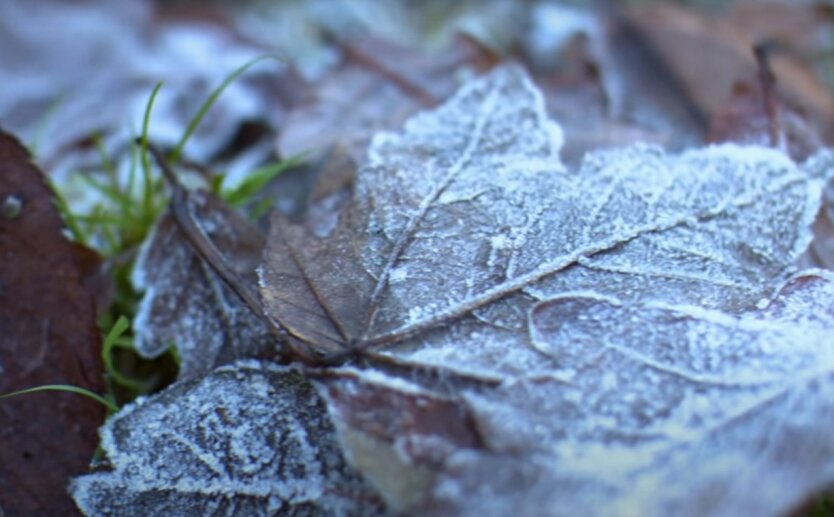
(133,160)
(115,332)
(43,123)
(208,103)
(65,388)
(114,194)
(100,219)
(257,179)
(106,161)
(70,219)
(115,339)
(147,193)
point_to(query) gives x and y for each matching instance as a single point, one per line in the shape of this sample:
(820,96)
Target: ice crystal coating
(247,439)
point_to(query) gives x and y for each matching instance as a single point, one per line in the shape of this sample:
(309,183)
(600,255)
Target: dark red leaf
(48,335)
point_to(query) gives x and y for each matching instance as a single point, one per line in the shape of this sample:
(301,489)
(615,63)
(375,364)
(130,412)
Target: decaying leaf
(248,439)
(186,304)
(517,337)
(744,120)
(725,54)
(48,335)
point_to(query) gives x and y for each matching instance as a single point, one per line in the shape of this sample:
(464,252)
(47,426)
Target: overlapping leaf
(248,439)
(186,304)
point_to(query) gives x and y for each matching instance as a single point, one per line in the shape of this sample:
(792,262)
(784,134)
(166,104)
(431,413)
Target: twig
(767,79)
(406,85)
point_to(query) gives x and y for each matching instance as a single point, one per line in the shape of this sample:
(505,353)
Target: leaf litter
(604,338)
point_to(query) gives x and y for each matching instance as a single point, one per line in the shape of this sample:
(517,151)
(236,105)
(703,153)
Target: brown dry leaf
(377,87)
(744,120)
(801,26)
(643,89)
(709,55)
(48,335)
(605,84)
(622,100)
(186,304)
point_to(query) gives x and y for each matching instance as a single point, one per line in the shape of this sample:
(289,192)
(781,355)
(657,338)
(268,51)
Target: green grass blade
(257,180)
(112,193)
(147,192)
(100,219)
(208,103)
(131,173)
(70,219)
(118,328)
(115,339)
(106,161)
(65,388)
(43,123)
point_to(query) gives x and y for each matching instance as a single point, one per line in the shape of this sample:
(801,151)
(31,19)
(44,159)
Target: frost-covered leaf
(248,439)
(186,304)
(468,216)
(119,53)
(398,435)
(647,409)
(587,333)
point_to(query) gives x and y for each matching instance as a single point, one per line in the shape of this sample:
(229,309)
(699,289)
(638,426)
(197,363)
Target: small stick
(767,79)
(406,85)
